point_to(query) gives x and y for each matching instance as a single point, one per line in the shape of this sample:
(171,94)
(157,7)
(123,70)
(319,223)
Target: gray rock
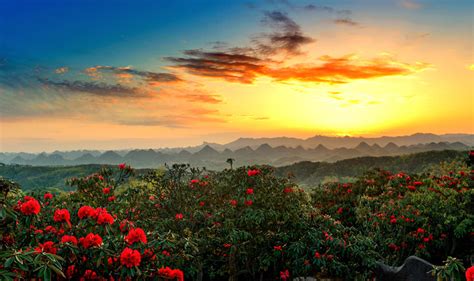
(413,269)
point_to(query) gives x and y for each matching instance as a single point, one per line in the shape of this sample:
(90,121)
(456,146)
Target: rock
(413,269)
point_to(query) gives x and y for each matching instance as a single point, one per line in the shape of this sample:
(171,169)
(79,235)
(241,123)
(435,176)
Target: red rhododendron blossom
(227,245)
(136,235)
(125,225)
(233,202)
(171,273)
(417,183)
(193,181)
(202,203)
(277,248)
(89,275)
(62,215)
(86,212)
(130,258)
(48,196)
(69,239)
(30,207)
(165,253)
(70,271)
(122,166)
(317,255)
(103,217)
(411,187)
(106,190)
(249,191)
(288,190)
(248,202)
(284,275)
(50,229)
(254,172)
(46,247)
(111,199)
(179,216)
(91,240)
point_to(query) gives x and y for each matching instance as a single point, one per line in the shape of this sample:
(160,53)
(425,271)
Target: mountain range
(246,151)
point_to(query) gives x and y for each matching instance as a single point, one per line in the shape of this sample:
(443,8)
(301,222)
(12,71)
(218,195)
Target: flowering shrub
(241,224)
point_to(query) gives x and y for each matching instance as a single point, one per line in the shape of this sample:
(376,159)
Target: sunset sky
(147,74)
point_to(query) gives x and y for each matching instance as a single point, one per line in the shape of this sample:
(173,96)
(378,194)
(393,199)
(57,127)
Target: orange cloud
(245,69)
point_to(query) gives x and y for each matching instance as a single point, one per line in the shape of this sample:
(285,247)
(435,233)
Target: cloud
(61,70)
(153,78)
(410,4)
(214,99)
(312,7)
(332,70)
(287,36)
(229,66)
(94,88)
(346,21)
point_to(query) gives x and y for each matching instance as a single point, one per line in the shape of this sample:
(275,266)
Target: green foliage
(452,270)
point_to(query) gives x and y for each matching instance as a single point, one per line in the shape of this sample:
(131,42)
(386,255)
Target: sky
(146,74)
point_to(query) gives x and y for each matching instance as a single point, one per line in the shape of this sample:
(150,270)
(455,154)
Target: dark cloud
(229,66)
(94,88)
(287,36)
(346,21)
(312,7)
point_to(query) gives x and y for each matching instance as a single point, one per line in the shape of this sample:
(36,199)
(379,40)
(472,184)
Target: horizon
(153,74)
(204,142)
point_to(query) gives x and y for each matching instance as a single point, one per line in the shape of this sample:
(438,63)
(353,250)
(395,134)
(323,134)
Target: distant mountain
(214,159)
(304,172)
(313,173)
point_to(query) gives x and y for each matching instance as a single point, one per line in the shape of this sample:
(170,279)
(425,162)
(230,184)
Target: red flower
(254,172)
(106,190)
(277,248)
(91,240)
(249,191)
(69,239)
(46,247)
(104,217)
(165,253)
(70,271)
(411,187)
(89,275)
(125,225)
(284,275)
(417,183)
(227,245)
(202,203)
(62,215)
(122,166)
(288,190)
(393,221)
(248,202)
(30,207)
(233,202)
(340,210)
(130,258)
(317,255)
(48,196)
(171,273)
(193,181)
(50,229)
(420,231)
(179,216)
(136,235)
(111,198)
(86,212)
